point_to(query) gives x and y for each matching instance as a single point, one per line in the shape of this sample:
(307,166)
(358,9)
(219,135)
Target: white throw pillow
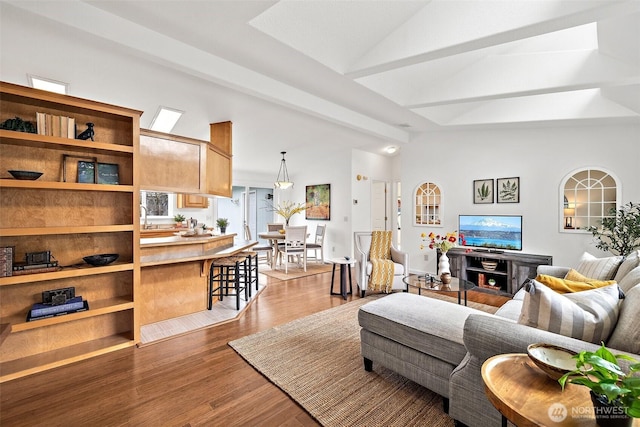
(626,337)
(588,315)
(598,268)
(630,262)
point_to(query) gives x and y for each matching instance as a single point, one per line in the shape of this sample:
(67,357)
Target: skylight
(165,119)
(48,84)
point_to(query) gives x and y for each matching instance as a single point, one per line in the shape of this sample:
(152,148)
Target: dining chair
(318,244)
(266,250)
(275,227)
(294,245)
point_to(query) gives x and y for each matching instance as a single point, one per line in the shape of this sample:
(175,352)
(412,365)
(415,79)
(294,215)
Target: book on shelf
(85,307)
(482,280)
(60,126)
(40,309)
(6,261)
(35,270)
(24,266)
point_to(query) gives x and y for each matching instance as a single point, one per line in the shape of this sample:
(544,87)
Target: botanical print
(483,191)
(508,190)
(318,198)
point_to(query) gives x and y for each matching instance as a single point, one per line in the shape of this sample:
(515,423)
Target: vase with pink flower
(442,243)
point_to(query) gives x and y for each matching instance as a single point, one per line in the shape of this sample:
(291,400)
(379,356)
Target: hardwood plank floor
(191,380)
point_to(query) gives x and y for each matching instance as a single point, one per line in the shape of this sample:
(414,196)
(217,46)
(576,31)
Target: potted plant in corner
(614,393)
(179,219)
(619,233)
(222,223)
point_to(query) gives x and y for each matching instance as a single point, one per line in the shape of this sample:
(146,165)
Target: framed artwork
(108,173)
(508,190)
(86,172)
(318,202)
(483,191)
(85,169)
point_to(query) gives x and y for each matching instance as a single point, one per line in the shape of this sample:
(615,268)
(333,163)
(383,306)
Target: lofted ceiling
(321,75)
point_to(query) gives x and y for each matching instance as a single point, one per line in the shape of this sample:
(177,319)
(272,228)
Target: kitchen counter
(175,273)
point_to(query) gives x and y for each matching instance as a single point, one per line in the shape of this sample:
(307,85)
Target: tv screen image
(491,231)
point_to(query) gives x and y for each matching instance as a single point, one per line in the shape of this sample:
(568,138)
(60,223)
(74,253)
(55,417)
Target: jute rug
(316,361)
(295,272)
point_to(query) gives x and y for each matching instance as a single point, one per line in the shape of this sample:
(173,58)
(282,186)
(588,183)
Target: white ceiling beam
(445,27)
(183,57)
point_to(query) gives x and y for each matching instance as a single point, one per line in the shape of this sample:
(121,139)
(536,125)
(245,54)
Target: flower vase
(443,264)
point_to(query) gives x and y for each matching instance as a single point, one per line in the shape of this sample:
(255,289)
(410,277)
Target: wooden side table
(345,266)
(526,396)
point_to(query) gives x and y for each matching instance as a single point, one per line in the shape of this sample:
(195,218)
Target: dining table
(273,237)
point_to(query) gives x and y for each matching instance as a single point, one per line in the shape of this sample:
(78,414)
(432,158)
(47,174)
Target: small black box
(38,257)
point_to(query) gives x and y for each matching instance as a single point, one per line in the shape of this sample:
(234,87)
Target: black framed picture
(318,198)
(483,191)
(86,172)
(508,190)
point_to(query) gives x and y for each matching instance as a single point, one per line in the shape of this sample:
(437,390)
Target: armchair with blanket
(364,266)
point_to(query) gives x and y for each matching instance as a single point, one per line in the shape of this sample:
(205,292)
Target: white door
(379,217)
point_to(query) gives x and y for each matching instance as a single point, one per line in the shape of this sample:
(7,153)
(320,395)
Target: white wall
(540,157)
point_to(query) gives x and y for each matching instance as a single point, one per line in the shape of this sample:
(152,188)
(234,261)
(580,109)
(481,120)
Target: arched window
(428,209)
(588,196)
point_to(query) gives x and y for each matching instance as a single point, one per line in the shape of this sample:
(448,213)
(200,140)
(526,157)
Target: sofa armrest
(553,270)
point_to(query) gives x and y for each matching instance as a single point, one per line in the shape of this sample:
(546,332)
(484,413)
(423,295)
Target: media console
(510,271)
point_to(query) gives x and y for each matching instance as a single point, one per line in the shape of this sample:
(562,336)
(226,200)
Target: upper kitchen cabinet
(185,165)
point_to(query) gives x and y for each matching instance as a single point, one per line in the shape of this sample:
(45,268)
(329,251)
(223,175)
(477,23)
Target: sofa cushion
(630,262)
(425,324)
(563,286)
(398,269)
(588,315)
(598,268)
(630,280)
(626,336)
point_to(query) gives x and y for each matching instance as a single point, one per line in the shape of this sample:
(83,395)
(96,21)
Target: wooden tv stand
(512,270)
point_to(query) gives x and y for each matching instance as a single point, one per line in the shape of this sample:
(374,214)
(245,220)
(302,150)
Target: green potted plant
(614,393)
(619,233)
(222,223)
(179,219)
(287,209)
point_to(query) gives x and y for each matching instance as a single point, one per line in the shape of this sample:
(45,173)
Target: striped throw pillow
(589,315)
(598,268)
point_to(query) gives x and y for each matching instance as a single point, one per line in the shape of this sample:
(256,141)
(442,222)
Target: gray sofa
(442,346)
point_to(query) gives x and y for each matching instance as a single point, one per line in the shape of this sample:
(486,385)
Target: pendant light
(282,181)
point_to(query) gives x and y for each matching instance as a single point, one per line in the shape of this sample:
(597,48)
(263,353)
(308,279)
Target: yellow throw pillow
(577,277)
(564,286)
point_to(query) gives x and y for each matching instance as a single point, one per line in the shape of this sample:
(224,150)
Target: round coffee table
(460,286)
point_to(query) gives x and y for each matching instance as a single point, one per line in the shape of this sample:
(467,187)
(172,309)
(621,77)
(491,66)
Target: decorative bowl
(281,231)
(553,360)
(101,259)
(489,265)
(26,175)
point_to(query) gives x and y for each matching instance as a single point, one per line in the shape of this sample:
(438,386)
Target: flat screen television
(493,232)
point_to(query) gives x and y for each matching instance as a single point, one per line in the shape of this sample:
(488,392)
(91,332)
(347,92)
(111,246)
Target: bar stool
(251,269)
(224,274)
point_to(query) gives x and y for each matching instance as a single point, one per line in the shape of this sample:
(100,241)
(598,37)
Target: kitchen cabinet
(192,201)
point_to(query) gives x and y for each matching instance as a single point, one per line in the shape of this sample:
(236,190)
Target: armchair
(363,264)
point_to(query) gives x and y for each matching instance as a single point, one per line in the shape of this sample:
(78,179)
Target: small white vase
(443,264)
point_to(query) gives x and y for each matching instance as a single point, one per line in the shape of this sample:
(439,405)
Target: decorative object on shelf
(25,175)
(483,191)
(318,198)
(491,282)
(445,278)
(489,265)
(286,209)
(619,233)
(614,393)
(508,190)
(18,125)
(553,360)
(58,296)
(88,133)
(100,259)
(89,168)
(282,181)
(108,174)
(222,223)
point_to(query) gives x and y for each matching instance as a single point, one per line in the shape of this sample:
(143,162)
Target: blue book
(85,307)
(43,309)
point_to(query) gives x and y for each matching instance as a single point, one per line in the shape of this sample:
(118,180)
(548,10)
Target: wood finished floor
(191,380)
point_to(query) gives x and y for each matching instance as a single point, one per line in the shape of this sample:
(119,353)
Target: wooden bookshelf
(71,220)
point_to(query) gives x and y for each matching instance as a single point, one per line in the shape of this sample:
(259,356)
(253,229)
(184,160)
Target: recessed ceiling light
(48,84)
(165,119)
(391,149)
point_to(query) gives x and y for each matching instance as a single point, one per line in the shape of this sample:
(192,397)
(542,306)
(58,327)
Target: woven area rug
(316,361)
(295,272)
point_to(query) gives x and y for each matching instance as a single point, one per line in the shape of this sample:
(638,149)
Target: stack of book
(50,125)
(23,268)
(44,311)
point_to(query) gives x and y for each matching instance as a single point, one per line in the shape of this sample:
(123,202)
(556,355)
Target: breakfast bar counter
(174,273)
